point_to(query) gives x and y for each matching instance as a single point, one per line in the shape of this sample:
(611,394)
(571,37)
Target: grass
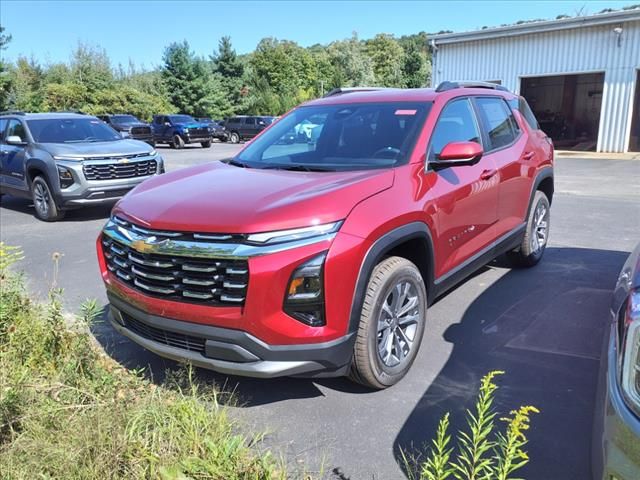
(68,411)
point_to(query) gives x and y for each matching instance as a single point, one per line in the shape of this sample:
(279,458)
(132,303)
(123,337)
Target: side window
(3,125)
(498,120)
(250,120)
(456,123)
(16,129)
(523,107)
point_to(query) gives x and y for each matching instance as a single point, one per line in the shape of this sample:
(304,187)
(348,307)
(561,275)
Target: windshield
(338,137)
(124,119)
(71,130)
(182,119)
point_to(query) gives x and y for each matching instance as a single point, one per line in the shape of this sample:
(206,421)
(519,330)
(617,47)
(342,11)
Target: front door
(13,169)
(466,196)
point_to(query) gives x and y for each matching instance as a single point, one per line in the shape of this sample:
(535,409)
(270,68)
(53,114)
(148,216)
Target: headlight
(152,153)
(186,130)
(304,299)
(66,177)
(630,351)
(294,234)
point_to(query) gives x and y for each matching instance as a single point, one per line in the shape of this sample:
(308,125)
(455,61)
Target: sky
(140,30)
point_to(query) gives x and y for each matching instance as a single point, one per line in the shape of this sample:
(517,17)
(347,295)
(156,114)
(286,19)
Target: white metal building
(580,75)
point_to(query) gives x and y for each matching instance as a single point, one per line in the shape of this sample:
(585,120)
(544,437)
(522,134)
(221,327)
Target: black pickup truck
(130,126)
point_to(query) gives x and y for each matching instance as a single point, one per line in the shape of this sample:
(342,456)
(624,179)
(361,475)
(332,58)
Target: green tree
(415,70)
(231,71)
(5,80)
(193,88)
(27,85)
(387,57)
(352,66)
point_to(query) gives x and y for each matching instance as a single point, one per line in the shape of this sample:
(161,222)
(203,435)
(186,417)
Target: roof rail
(12,112)
(342,90)
(444,86)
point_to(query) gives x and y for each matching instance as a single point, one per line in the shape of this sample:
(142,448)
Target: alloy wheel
(41,198)
(540,228)
(398,323)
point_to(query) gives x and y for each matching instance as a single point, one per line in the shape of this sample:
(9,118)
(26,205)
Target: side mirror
(15,140)
(261,123)
(167,124)
(125,134)
(458,154)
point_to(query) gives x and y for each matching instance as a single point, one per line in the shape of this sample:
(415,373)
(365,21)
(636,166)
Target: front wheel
(536,234)
(178,142)
(45,205)
(206,144)
(392,324)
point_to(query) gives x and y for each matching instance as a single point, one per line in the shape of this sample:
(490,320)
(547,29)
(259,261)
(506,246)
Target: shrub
(68,411)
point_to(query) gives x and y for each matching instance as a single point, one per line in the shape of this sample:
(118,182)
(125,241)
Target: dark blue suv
(180,130)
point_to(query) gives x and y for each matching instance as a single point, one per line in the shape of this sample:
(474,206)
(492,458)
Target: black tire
(206,144)
(534,243)
(368,366)
(177,142)
(45,206)
(234,137)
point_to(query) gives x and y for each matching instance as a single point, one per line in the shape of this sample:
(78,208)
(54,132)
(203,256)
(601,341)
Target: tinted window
(182,118)
(522,106)
(234,120)
(71,130)
(339,137)
(3,125)
(250,121)
(16,129)
(498,120)
(456,123)
(124,119)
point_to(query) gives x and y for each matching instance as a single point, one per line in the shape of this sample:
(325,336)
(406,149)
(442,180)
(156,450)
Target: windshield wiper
(235,163)
(298,168)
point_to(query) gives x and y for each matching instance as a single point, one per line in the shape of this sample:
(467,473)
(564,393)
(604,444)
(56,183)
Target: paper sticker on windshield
(406,112)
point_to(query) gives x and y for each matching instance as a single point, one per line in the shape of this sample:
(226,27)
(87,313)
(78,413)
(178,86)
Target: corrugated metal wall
(577,50)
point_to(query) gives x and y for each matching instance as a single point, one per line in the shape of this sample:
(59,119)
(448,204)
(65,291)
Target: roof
(538,27)
(384,95)
(44,116)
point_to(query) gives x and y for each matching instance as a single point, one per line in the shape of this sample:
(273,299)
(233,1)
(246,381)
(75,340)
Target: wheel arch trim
(375,253)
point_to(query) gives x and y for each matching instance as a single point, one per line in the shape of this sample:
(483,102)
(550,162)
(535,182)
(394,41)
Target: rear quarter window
(498,121)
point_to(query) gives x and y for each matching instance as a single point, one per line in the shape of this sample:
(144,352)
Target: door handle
(529,155)
(487,174)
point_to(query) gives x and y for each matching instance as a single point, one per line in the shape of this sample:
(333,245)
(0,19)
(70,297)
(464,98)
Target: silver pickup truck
(68,160)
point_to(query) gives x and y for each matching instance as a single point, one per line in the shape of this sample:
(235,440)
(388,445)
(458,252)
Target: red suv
(317,249)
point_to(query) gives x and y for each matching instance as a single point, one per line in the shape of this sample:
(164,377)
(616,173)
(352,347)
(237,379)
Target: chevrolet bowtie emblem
(123,160)
(142,246)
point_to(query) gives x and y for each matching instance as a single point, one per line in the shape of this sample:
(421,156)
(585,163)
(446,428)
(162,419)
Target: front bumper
(616,439)
(189,138)
(227,350)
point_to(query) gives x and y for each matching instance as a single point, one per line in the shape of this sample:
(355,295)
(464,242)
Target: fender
(377,251)
(50,172)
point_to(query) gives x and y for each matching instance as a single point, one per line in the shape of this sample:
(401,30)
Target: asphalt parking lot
(543,326)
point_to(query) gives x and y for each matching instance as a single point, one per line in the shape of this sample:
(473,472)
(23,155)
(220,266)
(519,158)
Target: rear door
(13,167)
(507,146)
(466,197)
(249,127)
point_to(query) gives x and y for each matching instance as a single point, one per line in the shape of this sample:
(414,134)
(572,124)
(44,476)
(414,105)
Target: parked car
(130,126)
(217,131)
(64,160)
(616,436)
(180,130)
(321,258)
(246,127)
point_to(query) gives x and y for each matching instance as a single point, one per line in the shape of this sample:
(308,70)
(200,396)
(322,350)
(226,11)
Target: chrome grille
(110,171)
(166,337)
(198,280)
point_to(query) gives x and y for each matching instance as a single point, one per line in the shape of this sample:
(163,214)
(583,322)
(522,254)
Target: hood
(97,149)
(220,198)
(129,125)
(190,124)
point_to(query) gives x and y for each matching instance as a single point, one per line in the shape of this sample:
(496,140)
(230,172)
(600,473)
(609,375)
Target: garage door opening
(567,108)
(634,139)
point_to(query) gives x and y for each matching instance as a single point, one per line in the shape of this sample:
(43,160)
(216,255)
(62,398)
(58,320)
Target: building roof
(618,17)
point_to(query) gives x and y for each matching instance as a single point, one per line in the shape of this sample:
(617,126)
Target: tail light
(630,351)
(304,299)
